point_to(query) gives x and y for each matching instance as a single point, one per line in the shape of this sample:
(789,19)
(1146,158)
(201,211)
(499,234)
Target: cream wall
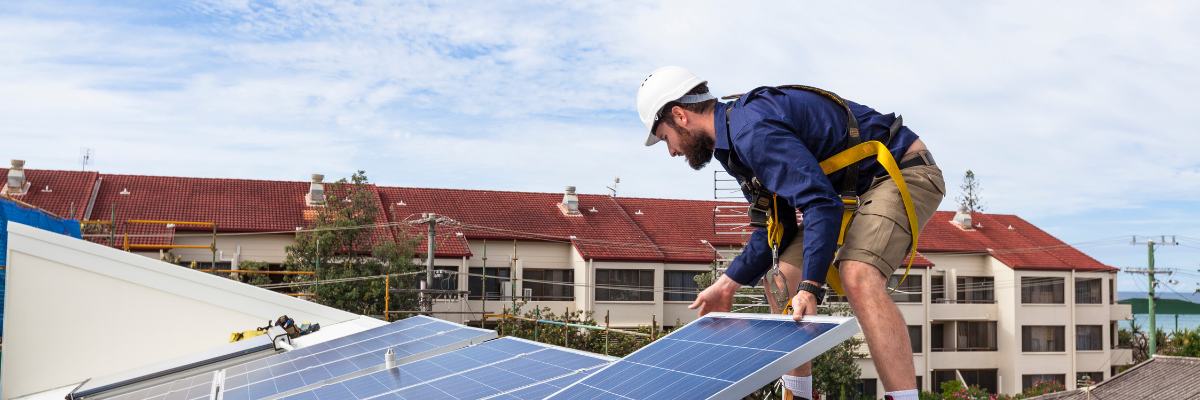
(77,310)
(268,248)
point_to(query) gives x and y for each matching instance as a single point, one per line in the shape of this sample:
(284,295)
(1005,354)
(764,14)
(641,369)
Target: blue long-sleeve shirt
(783,135)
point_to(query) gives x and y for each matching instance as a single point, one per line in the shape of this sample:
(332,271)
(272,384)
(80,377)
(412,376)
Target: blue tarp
(10,211)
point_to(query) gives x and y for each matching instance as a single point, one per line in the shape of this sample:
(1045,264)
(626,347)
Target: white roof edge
(163,276)
(52,394)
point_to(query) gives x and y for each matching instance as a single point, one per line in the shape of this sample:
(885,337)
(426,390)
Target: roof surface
(608,228)
(1162,377)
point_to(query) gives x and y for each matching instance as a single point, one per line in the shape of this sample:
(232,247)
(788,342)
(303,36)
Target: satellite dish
(86,155)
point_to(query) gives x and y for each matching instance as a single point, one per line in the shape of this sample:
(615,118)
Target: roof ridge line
(637,227)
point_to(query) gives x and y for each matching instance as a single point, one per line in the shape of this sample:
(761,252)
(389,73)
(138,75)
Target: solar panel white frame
(844,328)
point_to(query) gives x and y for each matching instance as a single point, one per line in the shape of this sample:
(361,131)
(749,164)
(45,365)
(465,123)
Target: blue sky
(1075,115)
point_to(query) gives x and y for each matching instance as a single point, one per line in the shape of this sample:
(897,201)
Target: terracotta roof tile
(58,192)
(1010,239)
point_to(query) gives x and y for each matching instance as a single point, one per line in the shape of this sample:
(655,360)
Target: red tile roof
(628,229)
(1012,240)
(58,192)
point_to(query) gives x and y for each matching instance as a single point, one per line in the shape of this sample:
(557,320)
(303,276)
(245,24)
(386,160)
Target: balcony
(963,360)
(1120,312)
(965,310)
(1122,356)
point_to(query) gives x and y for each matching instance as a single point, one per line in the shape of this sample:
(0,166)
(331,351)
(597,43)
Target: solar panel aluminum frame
(845,327)
(484,336)
(197,363)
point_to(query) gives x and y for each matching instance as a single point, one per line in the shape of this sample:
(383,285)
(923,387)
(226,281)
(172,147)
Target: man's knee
(860,277)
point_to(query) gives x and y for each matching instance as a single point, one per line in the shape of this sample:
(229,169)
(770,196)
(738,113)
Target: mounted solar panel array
(191,388)
(362,352)
(511,367)
(719,356)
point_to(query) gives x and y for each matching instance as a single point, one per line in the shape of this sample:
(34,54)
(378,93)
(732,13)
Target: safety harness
(764,207)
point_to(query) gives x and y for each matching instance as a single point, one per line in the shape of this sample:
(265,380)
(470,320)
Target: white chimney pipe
(389,359)
(316,190)
(570,202)
(16,177)
(963,218)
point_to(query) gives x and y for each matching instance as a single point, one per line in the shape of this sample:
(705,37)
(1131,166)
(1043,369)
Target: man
(778,136)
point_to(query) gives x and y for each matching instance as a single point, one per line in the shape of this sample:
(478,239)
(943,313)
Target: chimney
(963,218)
(16,178)
(316,191)
(570,202)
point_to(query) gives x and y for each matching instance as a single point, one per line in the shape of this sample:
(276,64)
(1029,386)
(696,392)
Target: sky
(1074,115)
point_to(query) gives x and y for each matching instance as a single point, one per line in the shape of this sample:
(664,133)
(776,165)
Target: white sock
(903,395)
(800,386)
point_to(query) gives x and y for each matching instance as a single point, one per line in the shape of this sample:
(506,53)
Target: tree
(344,242)
(971,198)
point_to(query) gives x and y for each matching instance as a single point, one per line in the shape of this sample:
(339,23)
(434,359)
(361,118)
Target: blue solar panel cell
(294,370)
(474,372)
(714,357)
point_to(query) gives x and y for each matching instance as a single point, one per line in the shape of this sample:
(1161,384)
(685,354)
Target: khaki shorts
(879,233)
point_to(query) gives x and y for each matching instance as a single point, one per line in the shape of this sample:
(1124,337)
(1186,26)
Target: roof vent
(16,178)
(570,202)
(963,218)
(316,191)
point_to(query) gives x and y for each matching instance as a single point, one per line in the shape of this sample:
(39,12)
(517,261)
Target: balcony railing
(952,301)
(954,349)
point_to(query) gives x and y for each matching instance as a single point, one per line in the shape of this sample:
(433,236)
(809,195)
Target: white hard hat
(663,86)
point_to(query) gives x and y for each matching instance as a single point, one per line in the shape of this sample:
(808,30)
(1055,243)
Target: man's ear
(679,115)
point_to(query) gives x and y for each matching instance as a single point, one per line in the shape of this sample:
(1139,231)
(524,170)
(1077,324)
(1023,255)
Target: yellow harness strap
(884,157)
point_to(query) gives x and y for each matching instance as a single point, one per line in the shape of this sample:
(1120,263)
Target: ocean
(1165,322)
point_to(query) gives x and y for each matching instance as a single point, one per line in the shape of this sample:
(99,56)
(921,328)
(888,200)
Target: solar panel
(411,339)
(542,390)
(719,356)
(495,367)
(199,387)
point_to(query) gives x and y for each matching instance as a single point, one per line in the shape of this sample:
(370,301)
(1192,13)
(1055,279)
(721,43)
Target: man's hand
(804,303)
(718,297)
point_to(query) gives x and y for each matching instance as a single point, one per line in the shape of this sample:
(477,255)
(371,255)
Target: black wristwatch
(817,291)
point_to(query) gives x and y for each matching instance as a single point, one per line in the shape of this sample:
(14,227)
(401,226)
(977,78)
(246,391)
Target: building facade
(991,300)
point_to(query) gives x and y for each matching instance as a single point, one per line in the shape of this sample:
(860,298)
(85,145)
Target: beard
(696,146)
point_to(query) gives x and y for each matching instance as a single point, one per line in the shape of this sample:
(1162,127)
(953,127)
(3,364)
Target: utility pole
(432,220)
(1151,332)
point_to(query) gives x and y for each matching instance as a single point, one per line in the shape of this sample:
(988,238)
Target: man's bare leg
(882,324)
(794,275)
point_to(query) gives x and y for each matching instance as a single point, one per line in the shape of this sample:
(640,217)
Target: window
(1112,334)
(631,278)
(475,283)
(557,285)
(1089,337)
(1112,292)
(919,384)
(681,286)
(937,289)
(914,336)
(1087,291)
(1041,290)
(907,292)
(1043,338)
(865,388)
(976,336)
(1028,381)
(1094,377)
(937,337)
(976,289)
(444,278)
(940,377)
(984,378)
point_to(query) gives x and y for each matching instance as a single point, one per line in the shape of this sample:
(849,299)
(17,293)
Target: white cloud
(1051,104)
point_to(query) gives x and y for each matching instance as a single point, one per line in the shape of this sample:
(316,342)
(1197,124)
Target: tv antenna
(613,188)
(86,155)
